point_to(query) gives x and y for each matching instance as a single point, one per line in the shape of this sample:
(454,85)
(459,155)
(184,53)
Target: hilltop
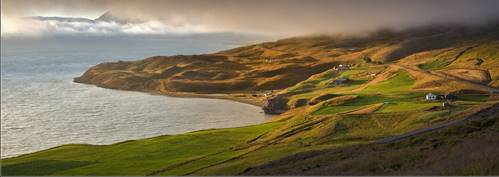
(335,98)
(284,63)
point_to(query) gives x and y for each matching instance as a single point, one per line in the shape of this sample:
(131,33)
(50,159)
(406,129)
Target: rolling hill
(345,104)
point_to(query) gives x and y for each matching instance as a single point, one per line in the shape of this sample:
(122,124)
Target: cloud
(273,17)
(21,27)
(62,26)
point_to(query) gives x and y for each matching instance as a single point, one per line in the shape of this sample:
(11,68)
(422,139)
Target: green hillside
(344,111)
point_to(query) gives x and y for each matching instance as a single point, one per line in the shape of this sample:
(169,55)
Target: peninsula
(422,101)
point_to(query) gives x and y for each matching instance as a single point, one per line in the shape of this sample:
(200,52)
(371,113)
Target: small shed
(445,104)
(449,96)
(342,80)
(431,97)
(267,93)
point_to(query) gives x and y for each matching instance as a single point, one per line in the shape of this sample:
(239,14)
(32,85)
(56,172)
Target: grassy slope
(330,124)
(478,55)
(141,157)
(316,128)
(403,111)
(468,148)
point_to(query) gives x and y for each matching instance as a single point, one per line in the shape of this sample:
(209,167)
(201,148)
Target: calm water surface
(41,107)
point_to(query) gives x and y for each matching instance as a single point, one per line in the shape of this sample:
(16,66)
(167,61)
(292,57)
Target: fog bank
(271,17)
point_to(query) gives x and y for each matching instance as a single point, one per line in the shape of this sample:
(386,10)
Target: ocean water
(42,108)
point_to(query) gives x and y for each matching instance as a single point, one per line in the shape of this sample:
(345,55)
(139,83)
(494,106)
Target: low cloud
(35,27)
(273,17)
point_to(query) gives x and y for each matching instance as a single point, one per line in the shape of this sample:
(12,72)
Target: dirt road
(447,77)
(469,116)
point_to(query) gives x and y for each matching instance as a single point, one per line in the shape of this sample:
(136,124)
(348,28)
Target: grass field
(447,151)
(400,82)
(141,157)
(378,101)
(230,151)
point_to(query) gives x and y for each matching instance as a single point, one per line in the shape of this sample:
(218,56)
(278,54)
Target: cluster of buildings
(446,97)
(342,67)
(435,97)
(342,80)
(267,93)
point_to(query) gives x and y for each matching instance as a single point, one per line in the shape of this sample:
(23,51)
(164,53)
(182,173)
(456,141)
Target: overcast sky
(274,17)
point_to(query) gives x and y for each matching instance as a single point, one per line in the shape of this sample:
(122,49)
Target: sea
(41,107)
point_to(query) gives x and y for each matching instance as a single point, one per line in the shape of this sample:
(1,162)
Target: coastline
(238,97)
(225,96)
(242,97)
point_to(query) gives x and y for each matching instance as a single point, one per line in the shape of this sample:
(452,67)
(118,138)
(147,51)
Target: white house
(343,67)
(431,97)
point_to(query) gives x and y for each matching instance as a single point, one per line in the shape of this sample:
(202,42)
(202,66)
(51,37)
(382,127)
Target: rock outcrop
(276,105)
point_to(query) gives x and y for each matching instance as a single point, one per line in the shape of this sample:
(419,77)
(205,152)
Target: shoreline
(224,96)
(241,97)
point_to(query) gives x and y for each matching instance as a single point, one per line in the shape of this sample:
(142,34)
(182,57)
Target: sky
(268,17)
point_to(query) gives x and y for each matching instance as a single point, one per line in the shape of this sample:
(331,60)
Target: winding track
(468,117)
(474,115)
(447,77)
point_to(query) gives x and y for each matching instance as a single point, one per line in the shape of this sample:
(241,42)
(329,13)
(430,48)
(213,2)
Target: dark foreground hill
(464,148)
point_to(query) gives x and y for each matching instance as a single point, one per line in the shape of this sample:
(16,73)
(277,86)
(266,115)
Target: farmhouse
(431,97)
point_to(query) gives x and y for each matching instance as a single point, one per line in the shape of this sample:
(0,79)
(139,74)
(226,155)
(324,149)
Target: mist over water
(41,107)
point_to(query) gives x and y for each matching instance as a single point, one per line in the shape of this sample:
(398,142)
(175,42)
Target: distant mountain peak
(108,16)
